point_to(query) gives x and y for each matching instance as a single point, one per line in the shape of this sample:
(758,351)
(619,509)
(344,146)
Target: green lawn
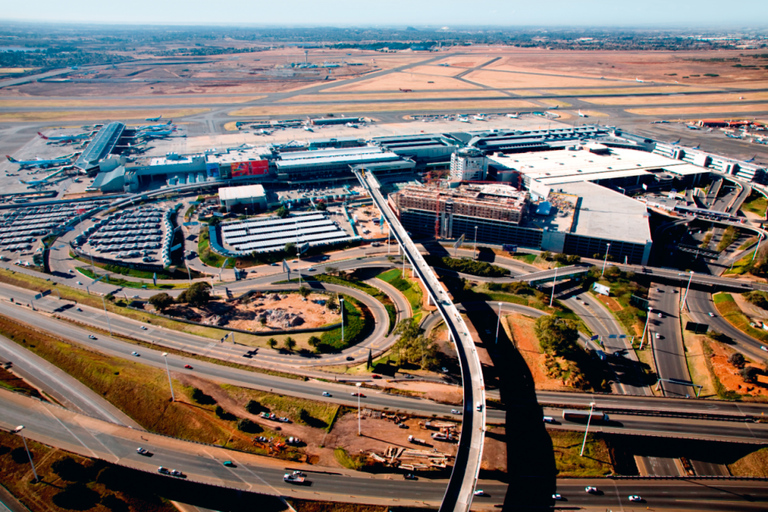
(124,283)
(756,203)
(410,289)
(729,310)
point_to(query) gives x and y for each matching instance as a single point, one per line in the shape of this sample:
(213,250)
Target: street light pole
(104,303)
(607,247)
(474,249)
(589,419)
(24,440)
(554,283)
(359,428)
(645,329)
(168,371)
(498,323)
(759,239)
(685,297)
(341,303)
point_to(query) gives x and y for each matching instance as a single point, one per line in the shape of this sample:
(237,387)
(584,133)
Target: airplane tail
(11,159)
(43,136)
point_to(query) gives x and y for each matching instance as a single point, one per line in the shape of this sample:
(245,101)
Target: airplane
(463,120)
(676,142)
(638,80)
(750,160)
(513,116)
(732,135)
(581,114)
(157,134)
(406,90)
(35,183)
(155,127)
(154,119)
(555,107)
(307,128)
(40,162)
(697,146)
(692,127)
(65,138)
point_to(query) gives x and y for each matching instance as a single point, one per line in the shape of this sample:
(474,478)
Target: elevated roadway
(459,493)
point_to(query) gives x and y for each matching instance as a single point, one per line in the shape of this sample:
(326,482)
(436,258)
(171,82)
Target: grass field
(696,358)
(756,203)
(410,290)
(91,115)
(126,102)
(755,464)
(741,108)
(380,107)
(731,311)
(596,461)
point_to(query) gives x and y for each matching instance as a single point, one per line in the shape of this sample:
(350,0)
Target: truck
(416,440)
(584,416)
(293,478)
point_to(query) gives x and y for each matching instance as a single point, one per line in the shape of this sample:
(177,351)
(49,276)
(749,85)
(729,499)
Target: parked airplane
(697,146)
(463,120)
(35,183)
(155,127)
(157,134)
(732,135)
(406,90)
(555,107)
(581,114)
(307,128)
(638,80)
(676,142)
(39,162)
(513,116)
(65,138)
(154,119)
(750,160)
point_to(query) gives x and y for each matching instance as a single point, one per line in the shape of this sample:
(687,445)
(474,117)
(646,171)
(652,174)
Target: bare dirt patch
(514,80)
(380,107)
(729,376)
(741,108)
(403,80)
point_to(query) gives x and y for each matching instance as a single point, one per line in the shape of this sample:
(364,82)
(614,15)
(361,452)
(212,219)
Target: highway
(459,492)
(91,437)
(667,341)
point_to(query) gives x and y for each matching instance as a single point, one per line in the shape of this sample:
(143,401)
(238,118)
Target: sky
(433,13)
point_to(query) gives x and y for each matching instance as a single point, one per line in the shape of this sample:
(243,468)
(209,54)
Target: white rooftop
(571,166)
(244,192)
(605,213)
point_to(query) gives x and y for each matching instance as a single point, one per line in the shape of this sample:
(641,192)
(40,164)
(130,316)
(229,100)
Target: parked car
(163,470)
(411,476)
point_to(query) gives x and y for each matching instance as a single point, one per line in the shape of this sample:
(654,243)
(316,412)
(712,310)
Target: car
(376,376)
(163,470)
(71,271)
(76,309)
(658,336)
(143,327)
(479,406)
(135,354)
(455,411)
(350,358)
(311,269)
(408,376)
(79,283)
(711,314)
(591,490)
(411,476)
(135,297)
(176,472)
(142,451)
(229,464)
(361,395)
(444,369)
(91,337)
(557,497)
(763,347)
(325,393)
(402,425)
(659,290)
(635,498)
(661,315)
(549,419)
(479,492)
(188,366)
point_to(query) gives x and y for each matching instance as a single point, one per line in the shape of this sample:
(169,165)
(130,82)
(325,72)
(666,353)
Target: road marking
(71,433)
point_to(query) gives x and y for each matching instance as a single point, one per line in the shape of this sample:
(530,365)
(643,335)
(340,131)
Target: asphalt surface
(667,341)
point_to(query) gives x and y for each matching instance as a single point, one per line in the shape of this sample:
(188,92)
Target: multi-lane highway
(666,340)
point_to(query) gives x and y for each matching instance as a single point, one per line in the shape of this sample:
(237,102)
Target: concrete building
(468,164)
(100,147)
(252,196)
(328,164)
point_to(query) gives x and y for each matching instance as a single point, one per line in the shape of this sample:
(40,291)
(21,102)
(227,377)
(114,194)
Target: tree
(556,335)
(161,301)
(749,374)
(253,407)
(369,363)
(314,341)
(331,271)
(196,295)
(290,248)
(332,303)
(321,206)
(248,426)
(272,342)
(282,212)
(304,291)
(737,360)
(289,343)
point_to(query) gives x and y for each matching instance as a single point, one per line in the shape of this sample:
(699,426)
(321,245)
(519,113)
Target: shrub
(201,398)
(248,426)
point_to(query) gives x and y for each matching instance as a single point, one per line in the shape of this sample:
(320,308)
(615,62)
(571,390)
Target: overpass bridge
(460,490)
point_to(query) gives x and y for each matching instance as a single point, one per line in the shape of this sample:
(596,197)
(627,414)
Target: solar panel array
(272,233)
(21,227)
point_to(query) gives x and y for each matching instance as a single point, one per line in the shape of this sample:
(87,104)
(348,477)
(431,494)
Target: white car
(455,411)
(479,492)
(710,314)
(661,316)
(591,490)
(763,347)
(135,354)
(143,327)
(635,498)
(325,393)
(79,283)
(658,336)
(557,497)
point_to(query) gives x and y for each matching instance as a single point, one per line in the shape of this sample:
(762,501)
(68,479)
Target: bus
(582,416)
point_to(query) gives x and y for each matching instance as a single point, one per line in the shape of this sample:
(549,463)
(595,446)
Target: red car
(188,366)
(361,395)
(375,376)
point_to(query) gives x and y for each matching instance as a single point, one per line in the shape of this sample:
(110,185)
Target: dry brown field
(404,80)
(91,115)
(517,80)
(394,96)
(662,100)
(133,102)
(712,109)
(310,109)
